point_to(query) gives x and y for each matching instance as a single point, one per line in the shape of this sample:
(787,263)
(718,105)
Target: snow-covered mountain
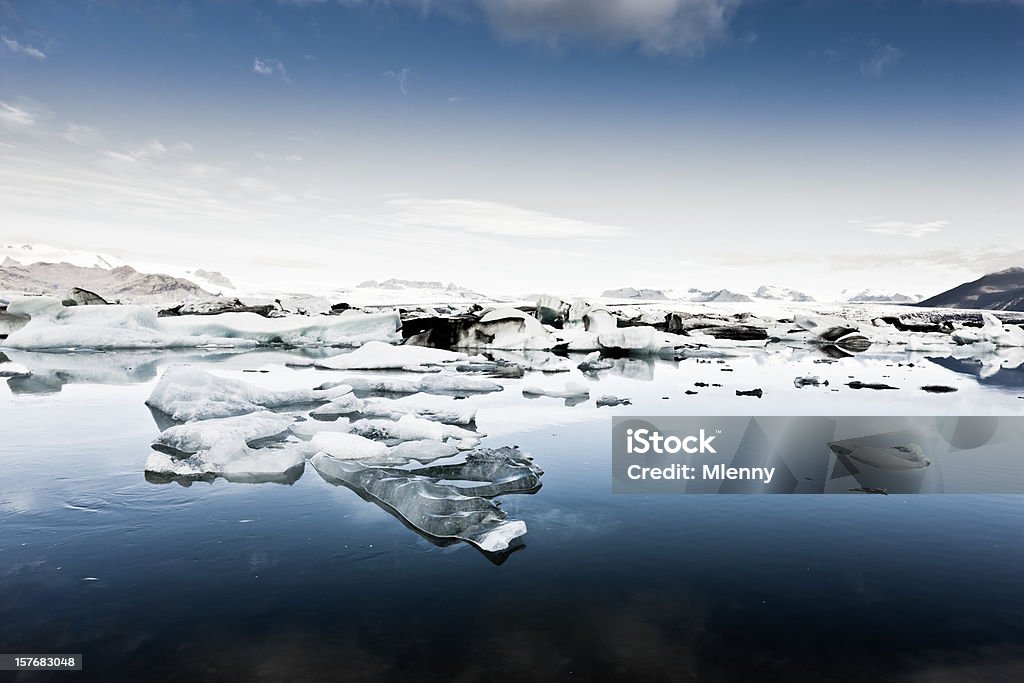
(25,254)
(876,296)
(717,296)
(633,293)
(773,293)
(1000,291)
(121,283)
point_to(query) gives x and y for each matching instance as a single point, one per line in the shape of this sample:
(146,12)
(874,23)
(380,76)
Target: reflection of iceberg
(433,509)
(1002,368)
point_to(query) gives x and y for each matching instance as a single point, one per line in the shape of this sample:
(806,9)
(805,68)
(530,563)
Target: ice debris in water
(412,428)
(185,394)
(439,510)
(193,437)
(376,355)
(441,383)
(9,368)
(993,331)
(571,390)
(54,326)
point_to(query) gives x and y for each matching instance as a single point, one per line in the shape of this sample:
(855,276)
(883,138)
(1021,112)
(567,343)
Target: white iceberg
(571,390)
(993,331)
(345,446)
(54,326)
(375,355)
(186,394)
(193,437)
(232,459)
(412,428)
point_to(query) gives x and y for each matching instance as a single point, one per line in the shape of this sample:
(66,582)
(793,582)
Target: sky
(516,146)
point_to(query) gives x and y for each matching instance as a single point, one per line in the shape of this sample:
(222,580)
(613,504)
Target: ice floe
(185,394)
(52,325)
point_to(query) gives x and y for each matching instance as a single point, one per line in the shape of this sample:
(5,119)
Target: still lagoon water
(307,581)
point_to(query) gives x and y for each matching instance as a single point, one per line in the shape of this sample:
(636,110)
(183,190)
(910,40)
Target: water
(309,582)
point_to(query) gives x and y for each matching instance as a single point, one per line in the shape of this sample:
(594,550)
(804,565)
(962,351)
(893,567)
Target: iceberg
(193,437)
(993,331)
(412,428)
(440,383)
(51,325)
(376,355)
(9,368)
(571,390)
(348,446)
(231,459)
(186,394)
(435,510)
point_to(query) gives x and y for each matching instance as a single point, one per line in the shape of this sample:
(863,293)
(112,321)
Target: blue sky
(664,143)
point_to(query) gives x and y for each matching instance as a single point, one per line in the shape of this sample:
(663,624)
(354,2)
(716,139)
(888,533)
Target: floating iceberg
(186,394)
(9,368)
(193,437)
(441,383)
(232,459)
(54,326)
(412,428)
(993,331)
(434,509)
(348,446)
(571,390)
(375,355)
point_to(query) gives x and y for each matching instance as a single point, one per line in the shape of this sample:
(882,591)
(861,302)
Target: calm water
(308,582)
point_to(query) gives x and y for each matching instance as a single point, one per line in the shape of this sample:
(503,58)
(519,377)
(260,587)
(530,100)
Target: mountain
(879,297)
(1002,291)
(24,254)
(122,283)
(718,296)
(773,293)
(632,293)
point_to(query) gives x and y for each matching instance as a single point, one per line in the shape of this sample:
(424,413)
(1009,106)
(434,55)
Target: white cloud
(686,27)
(901,228)
(20,49)
(401,77)
(489,218)
(269,67)
(84,136)
(16,118)
(154,149)
(882,57)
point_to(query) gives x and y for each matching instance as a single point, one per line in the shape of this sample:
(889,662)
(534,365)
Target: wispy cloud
(154,149)
(16,118)
(21,49)
(900,228)
(882,57)
(269,67)
(485,218)
(401,77)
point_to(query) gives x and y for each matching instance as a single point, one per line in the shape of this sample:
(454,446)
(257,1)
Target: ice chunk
(593,363)
(348,446)
(440,383)
(393,410)
(192,437)
(571,390)
(498,471)
(343,405)
(53,326)
(610,400)
(449,383)
(376,355)
(993,331)
(9,368)
(232,459)
(411,428)
(435,510)
(185,394)
(349,328)
(423,450)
